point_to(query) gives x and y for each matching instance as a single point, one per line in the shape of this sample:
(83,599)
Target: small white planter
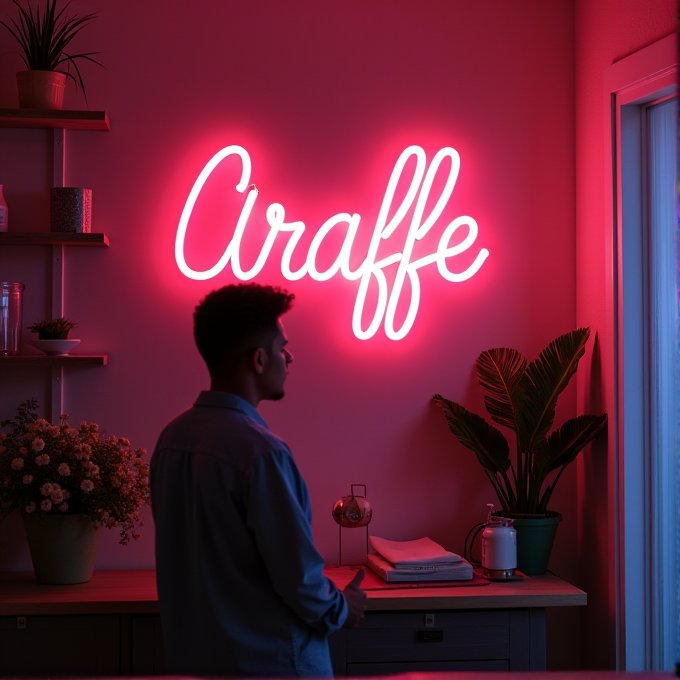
(55,348)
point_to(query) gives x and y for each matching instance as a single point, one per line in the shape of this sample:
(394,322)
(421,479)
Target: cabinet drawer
(368,669)
(148,655)
(60,645)
(453,636)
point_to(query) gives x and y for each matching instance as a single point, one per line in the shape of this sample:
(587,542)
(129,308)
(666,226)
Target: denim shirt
(240,584)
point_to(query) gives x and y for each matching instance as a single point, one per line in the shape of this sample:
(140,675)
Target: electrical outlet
(429,620)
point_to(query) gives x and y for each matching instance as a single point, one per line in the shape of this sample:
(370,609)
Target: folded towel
(456,571)
(423,552)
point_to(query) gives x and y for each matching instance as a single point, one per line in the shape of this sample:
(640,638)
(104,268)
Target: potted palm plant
(522,396)
(44,39)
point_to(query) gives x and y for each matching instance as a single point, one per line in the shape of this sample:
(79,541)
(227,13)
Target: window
(664,353)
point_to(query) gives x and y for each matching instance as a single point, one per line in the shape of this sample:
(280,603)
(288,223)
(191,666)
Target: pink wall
(605,33)
(325,96)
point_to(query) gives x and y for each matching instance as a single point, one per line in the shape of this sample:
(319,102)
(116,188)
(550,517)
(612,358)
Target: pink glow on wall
(371,271)
(325,97)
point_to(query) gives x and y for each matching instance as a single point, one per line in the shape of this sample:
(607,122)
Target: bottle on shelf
(3,211)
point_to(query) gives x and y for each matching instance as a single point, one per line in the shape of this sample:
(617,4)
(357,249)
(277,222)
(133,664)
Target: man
(240,583)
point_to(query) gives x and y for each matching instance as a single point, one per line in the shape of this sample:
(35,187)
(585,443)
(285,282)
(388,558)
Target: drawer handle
(430,636)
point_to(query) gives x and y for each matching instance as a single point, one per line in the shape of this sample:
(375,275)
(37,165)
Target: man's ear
(259,360)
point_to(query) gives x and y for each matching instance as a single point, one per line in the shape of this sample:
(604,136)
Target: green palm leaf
(474,433)
(560,449)
(500,372)
(544,380)
(487,443)
(563,445)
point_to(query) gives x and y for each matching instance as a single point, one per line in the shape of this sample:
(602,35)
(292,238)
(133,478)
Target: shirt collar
(228,400)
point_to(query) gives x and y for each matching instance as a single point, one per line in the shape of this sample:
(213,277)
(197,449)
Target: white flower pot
(63,547)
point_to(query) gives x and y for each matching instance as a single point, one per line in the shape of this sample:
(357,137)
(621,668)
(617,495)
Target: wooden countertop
(134,592)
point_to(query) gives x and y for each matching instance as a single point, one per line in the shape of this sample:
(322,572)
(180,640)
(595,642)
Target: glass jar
(11,298)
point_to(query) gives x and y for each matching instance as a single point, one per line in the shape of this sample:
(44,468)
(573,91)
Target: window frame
(629,86)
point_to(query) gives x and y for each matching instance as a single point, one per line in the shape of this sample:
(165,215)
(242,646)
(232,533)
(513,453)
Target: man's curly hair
(233,320)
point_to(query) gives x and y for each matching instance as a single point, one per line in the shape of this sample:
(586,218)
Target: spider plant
(43,38)
(523,396)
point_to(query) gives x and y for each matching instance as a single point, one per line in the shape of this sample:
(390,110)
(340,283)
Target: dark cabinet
(148,657)
(59,645)
(400,642)
(111,626)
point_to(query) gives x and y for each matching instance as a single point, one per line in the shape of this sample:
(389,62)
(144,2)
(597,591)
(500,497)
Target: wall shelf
(65,120)
(46,238)
(59,122)
(44,360)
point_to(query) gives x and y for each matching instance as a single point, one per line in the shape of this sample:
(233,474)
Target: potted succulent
(523,396)
(53,336)
(68,484)
(44,39)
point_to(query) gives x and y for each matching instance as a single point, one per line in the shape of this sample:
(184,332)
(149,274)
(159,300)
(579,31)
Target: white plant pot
(55,348)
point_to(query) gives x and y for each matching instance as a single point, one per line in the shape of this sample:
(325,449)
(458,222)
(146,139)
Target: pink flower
(17,463)
(28,479)
(57,496)
(87,485)
(63,507)
(42,459)
(30,507)
(64,470)
(23,450)
(46,505)
(38,444)
(92,469)
(46,488)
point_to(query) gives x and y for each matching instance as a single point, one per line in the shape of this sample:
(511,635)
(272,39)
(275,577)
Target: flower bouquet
(61,470)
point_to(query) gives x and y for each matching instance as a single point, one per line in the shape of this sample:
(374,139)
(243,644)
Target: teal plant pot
(535,538)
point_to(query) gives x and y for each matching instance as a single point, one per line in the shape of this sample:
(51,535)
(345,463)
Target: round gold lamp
(352,512)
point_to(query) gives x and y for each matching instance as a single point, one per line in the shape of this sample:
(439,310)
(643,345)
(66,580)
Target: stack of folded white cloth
(420,560)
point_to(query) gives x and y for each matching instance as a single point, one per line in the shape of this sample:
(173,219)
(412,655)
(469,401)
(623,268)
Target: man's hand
(356,600)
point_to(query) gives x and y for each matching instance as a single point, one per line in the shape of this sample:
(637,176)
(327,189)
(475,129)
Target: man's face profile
(276,366)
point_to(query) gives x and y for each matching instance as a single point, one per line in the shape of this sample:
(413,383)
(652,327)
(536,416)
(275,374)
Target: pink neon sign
(370,269)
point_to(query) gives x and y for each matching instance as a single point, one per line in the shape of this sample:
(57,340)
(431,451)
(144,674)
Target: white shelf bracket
(57,293)
(56,394)
(59,158)
(57,306)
